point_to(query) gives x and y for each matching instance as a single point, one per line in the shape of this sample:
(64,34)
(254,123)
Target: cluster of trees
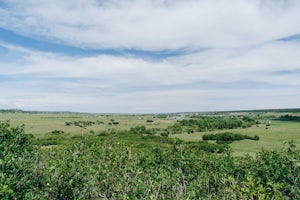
(201,124)
(57,132)
(290,118)
(113,122)
(96,169)
(227,137)
(141,130)
(84,124)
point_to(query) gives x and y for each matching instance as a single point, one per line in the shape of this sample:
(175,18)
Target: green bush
(57,132)
(140,130)
(82,124)
(46,141)
(201,124)
(103,133)
(16,167)
(290,118)
(209,147)
(227,137)
(184,171)
(164,134)
(209,137)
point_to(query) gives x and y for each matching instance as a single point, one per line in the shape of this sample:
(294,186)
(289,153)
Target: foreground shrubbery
(108,170)
(16,165)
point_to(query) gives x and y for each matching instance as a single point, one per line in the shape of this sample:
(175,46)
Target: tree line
(201,124)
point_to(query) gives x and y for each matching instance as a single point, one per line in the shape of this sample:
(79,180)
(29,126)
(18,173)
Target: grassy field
(39,124)
(278,133)
(274,137)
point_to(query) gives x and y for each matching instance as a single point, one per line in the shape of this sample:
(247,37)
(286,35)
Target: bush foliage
(201,124)
(290,118)
(227,137)
(104,169)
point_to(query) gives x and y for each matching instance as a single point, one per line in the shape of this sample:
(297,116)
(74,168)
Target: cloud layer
(154,25)
(230,55)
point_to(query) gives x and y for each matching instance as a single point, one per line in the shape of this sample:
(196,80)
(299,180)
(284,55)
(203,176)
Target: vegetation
(57,132)
(201,124)
(134,158)
(290,118)
(82,124)
(227,137)
(16,168)
(141,130)
(91,168)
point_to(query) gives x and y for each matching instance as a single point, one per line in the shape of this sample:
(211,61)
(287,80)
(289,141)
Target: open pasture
(40,124)
(277,134)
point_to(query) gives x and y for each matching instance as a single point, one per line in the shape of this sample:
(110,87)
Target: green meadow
(278,133)
(40,124)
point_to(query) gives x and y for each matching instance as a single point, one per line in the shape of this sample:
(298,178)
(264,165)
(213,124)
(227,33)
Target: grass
(279,133)
(42,124)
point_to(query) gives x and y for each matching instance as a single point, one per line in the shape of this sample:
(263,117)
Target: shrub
(140,130)
(103,133)
(99,122)
(57,132)
(290,118)
(164,134)
(15,157)
(48,142)
(213,123)
(209,147)
(68,123)
(82,124)
(227,137)
(209,137)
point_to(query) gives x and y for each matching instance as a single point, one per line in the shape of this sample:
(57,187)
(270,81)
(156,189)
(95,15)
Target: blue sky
(149,56)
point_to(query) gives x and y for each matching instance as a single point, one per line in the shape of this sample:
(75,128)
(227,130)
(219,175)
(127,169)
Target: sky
(149,56)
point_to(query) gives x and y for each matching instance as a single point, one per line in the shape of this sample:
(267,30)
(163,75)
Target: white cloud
(207,80)
(243,68)
(155,25)
(259,63)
